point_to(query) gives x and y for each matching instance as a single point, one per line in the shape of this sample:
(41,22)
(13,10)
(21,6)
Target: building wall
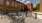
(30,6)
(10,8)
(41,5)
(17,6)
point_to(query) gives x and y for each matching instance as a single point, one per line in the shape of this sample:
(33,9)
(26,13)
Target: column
(40,5)
(4,7)
(10,5)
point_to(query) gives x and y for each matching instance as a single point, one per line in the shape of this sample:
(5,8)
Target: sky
(33,1)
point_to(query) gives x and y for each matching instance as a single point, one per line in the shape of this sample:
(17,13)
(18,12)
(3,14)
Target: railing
(14,14)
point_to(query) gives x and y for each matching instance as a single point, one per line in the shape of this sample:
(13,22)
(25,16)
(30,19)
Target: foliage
(37,7)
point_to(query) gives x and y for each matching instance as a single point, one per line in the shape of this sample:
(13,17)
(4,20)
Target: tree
(37,7)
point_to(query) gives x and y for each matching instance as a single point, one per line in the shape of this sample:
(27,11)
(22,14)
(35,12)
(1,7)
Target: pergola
(10,5)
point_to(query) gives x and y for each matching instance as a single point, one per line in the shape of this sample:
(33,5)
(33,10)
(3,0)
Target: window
(18,4)
(7,9)
(13,3)
(28,5)
(0,9)
(7,2)
(1,1)
(21,10)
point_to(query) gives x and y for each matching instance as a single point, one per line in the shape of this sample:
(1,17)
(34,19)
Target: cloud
(23,0)
(27,2)
(17,0)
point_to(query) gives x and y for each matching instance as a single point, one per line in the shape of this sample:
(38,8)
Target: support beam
(40,5)
(4,7)
(10,5)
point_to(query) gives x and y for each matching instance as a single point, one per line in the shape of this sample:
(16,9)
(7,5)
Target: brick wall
(17,6)
(41,5)
(30,6)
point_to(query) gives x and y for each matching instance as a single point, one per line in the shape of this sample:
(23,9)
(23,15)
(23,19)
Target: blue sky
(33,1)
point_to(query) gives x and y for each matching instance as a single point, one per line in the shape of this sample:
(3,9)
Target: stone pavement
(32,20)
(27,20)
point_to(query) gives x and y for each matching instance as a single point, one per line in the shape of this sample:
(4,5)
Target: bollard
(26,14)
(1,15)
(35,15)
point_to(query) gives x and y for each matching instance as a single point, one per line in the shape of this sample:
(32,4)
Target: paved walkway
(27,20)
(32,20)
(4,20)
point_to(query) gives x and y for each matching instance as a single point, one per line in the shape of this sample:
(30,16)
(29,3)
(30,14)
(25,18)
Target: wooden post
(4,6)
(14,5)
(10,5)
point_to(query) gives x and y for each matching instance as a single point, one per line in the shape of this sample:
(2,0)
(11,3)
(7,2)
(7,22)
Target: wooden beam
(10,5)
(4,7)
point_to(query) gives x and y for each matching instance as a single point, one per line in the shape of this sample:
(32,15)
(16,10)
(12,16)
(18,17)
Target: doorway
(25,9)
(22,10)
